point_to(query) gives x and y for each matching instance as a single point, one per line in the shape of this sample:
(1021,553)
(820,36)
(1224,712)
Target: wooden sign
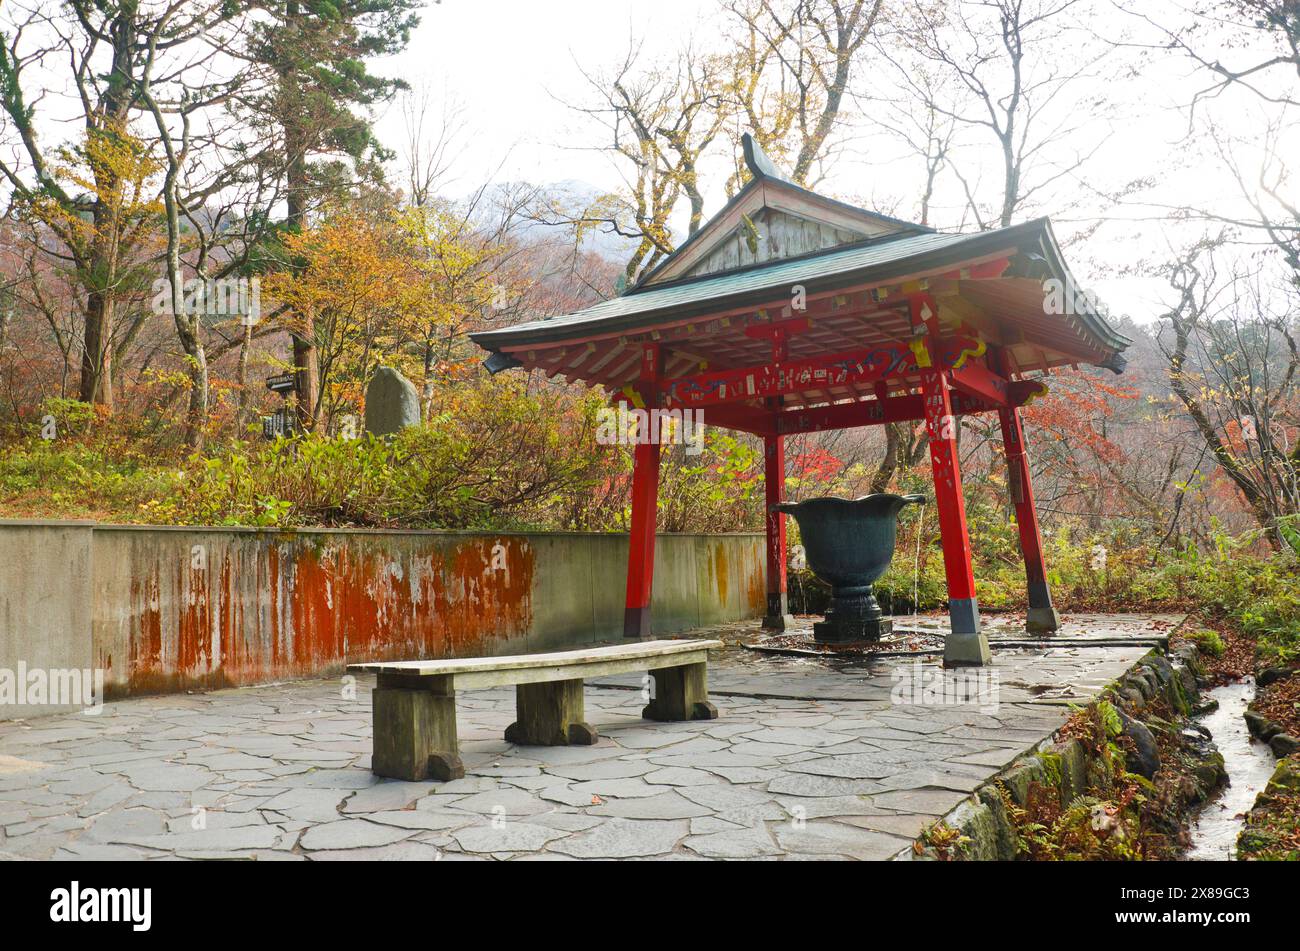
(282,382)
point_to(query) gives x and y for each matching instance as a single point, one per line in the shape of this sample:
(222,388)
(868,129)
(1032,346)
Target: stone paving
(809,759)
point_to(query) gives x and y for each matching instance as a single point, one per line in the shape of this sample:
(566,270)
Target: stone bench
(415,700)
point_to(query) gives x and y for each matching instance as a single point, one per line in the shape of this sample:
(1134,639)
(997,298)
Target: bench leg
(681,693)
(550,714)
(415,729)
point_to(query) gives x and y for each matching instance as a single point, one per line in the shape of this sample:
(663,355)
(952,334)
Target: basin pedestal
(849,544)
(854,615)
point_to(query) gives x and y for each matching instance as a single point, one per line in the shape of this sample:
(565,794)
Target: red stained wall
(222,610)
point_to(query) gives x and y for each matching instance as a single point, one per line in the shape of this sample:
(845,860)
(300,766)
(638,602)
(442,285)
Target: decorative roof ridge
(763,170)
(642,288)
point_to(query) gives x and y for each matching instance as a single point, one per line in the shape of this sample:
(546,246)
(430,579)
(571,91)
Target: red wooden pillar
(1042,617)
(645,503)
(966,644)
(778,610)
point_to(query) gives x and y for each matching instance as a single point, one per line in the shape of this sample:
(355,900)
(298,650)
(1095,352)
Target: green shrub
(1209,643)
(499,457)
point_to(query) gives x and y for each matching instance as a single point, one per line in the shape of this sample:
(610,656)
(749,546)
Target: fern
(1110,718)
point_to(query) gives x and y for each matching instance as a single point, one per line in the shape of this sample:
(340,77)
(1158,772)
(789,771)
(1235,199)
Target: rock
(1018,778)
(1132,696)
(1254,840)
(974,820)
(1283,744)
(624,838)
(1190,656)
(1272,675)
(1256,723)
(1100,773)
(1207,706)
(392,403)
(505,837)
(1006,840)
(1207,765)
(1074,769)
(734,843)
(1210,773)
(1145,758)
(1159,726)
(1261,726)
(351,834)
(1286,776)
(1177,682)
(835,838)
(1161,667)
(1144,680)
(1191,691)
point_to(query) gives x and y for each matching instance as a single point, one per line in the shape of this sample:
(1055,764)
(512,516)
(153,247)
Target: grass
(451,474)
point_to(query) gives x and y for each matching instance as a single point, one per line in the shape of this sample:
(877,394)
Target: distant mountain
(576,194)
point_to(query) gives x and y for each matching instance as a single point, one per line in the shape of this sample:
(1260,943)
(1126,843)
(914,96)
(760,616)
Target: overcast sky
(512,65)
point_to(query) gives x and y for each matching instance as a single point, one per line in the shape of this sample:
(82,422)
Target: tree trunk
(426,407)
(1223,455)
(242,415)
(889,464)
(306,360)
(197,415)
(97,352)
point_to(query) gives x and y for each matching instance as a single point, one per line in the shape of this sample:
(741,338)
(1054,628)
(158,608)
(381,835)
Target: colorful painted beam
(856,367)
(892,409)
(877,412)
(975,379)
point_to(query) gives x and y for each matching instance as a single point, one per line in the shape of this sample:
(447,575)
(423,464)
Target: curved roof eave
(1096,321)
(867,262)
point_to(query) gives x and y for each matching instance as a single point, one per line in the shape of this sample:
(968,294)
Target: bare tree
(1242,44)
(659,121)
(84,35)
(183,92)
(434,126)
(792,64)
(1020,75)
(1233,360)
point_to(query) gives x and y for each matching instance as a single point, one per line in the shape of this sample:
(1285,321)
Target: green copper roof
(882,259)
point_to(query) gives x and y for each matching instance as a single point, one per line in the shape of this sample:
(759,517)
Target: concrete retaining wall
(162,609)
(46,577)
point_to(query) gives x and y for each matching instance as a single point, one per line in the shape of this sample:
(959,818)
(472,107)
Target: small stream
(1249,764)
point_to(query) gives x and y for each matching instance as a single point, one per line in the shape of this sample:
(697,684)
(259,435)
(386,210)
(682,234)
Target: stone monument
(392,403)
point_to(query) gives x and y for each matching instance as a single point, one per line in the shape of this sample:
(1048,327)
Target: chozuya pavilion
(789,312)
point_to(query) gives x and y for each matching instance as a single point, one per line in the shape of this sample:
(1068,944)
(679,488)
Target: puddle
(1249,764)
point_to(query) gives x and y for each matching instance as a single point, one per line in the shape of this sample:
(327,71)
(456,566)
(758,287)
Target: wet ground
(1249,765)
(809,758)
(924,634)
